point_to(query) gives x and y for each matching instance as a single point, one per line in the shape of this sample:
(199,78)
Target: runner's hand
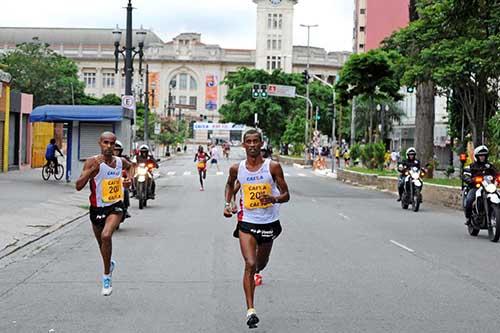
(267,199)
(227,212)
(97,163)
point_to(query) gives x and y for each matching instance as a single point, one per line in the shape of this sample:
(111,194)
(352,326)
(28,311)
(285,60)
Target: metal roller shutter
(89,136)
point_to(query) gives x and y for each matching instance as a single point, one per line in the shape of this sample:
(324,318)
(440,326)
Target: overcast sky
(229,23)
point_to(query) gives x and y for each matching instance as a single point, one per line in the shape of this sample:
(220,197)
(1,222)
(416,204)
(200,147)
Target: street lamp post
(129,51)
(308,26)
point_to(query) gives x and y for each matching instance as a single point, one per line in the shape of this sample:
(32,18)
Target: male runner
(201,159)
(263,188)
(104,172)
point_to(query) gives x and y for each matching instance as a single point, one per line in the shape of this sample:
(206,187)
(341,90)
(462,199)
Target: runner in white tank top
(104,173)
(263,189)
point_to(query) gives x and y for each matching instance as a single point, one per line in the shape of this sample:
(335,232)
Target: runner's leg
(263,253)
(200,173)
(248,246)
(106,247)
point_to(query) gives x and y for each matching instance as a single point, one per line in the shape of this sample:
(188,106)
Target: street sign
(128,102)
(157,128)
(281,91)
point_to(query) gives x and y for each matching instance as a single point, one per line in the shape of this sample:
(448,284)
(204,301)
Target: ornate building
(185,68)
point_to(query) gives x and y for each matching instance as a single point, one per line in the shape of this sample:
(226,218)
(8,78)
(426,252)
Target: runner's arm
(229,192)
(89,168)
(279,178)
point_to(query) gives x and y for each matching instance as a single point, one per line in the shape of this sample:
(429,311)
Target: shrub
(373,155)
(355,152)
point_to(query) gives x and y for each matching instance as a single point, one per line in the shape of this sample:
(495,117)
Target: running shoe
(258,279)
(107,288)
(252,319)
(202,189)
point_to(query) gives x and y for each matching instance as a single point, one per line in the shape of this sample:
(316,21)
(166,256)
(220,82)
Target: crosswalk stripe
(301,175)
(220,173)
(171,173)
(287,174)
(187,173)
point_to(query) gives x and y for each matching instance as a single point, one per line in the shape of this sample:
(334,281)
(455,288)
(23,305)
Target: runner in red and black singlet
(201,158)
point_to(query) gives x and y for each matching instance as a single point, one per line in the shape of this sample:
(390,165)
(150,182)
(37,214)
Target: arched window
(184,89)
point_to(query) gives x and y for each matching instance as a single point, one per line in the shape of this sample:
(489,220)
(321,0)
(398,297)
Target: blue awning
(91,113)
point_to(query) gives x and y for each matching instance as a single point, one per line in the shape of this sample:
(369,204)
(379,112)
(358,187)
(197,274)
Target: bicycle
(49,169)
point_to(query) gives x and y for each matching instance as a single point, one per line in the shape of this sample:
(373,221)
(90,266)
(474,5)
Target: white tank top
(106,188)
(253,186)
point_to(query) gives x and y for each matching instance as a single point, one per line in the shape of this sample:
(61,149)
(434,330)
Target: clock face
(275,2)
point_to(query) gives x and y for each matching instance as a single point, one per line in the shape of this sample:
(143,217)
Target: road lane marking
(301,175)
(287,174)
(187,173)
(220,173)
(402,246)
(171,173)
(344,216)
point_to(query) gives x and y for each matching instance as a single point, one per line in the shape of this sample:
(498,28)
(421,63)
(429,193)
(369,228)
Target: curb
(10,249)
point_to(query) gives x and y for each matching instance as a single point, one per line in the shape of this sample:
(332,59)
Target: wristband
(227,204)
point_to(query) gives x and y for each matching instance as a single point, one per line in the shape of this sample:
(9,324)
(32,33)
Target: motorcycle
(486,207)
(412,194)
(143,179)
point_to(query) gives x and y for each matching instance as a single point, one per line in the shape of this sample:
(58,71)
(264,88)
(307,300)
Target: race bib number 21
(252,193)
(112,190)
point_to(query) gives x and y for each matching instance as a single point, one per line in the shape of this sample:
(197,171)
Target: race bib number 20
(112,190)
(252,193)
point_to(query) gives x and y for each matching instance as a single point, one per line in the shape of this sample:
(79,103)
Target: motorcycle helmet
(144,150)
(118,145)
(481,151)
(411,151)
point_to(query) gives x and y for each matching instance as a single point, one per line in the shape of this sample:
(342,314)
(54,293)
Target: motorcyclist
(410,162)
(147,158)
(480,167)
(118,151)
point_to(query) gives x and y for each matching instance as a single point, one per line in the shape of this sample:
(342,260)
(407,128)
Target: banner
(211,92)
(154,84)
(218,126)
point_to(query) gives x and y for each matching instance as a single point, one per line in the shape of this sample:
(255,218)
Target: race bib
(112,190)
(201,165)
(252,194)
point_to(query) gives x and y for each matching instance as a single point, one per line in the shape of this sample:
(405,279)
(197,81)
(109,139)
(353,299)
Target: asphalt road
(349,260)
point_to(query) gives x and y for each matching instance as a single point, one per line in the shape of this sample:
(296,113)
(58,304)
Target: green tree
(37,70)
(282,119)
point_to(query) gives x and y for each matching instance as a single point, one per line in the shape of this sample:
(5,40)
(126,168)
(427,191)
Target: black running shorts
(263,233)
(98,215)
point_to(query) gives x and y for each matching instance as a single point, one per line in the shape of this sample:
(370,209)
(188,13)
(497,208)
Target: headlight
(491,188)
(415,175)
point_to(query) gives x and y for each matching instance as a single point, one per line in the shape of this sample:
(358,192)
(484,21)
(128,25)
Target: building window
(361,46)
(269,41)
(89,79)
(108,80)
(183,100)
(269,21)
(192,83)
(362,29)
(275,44)
(280,21)
(273,62)
(362,11)
(275,21)
(183,81)
(279,44)
(193,101)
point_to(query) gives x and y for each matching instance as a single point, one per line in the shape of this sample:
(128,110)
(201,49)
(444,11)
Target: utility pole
(316,118)
(146,106)
(353,122)
(308,26)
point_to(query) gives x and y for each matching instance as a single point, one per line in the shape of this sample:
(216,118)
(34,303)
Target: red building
(374,20)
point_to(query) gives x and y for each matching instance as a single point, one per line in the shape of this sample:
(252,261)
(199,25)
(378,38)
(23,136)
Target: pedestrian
(263,189)
(104,173)
(214,157)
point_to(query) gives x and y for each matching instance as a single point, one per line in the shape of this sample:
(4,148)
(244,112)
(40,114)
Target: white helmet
(118,145)
(411,150)
(144,147)
(481,151)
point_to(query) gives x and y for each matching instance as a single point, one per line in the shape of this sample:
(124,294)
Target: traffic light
(263,91)
(410,90)
(256,91)
(259,91)
(306,77)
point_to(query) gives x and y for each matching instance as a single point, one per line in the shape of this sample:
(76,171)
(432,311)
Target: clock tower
(274,48)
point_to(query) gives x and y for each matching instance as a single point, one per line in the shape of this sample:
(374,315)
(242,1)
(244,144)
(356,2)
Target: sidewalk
(31,208)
